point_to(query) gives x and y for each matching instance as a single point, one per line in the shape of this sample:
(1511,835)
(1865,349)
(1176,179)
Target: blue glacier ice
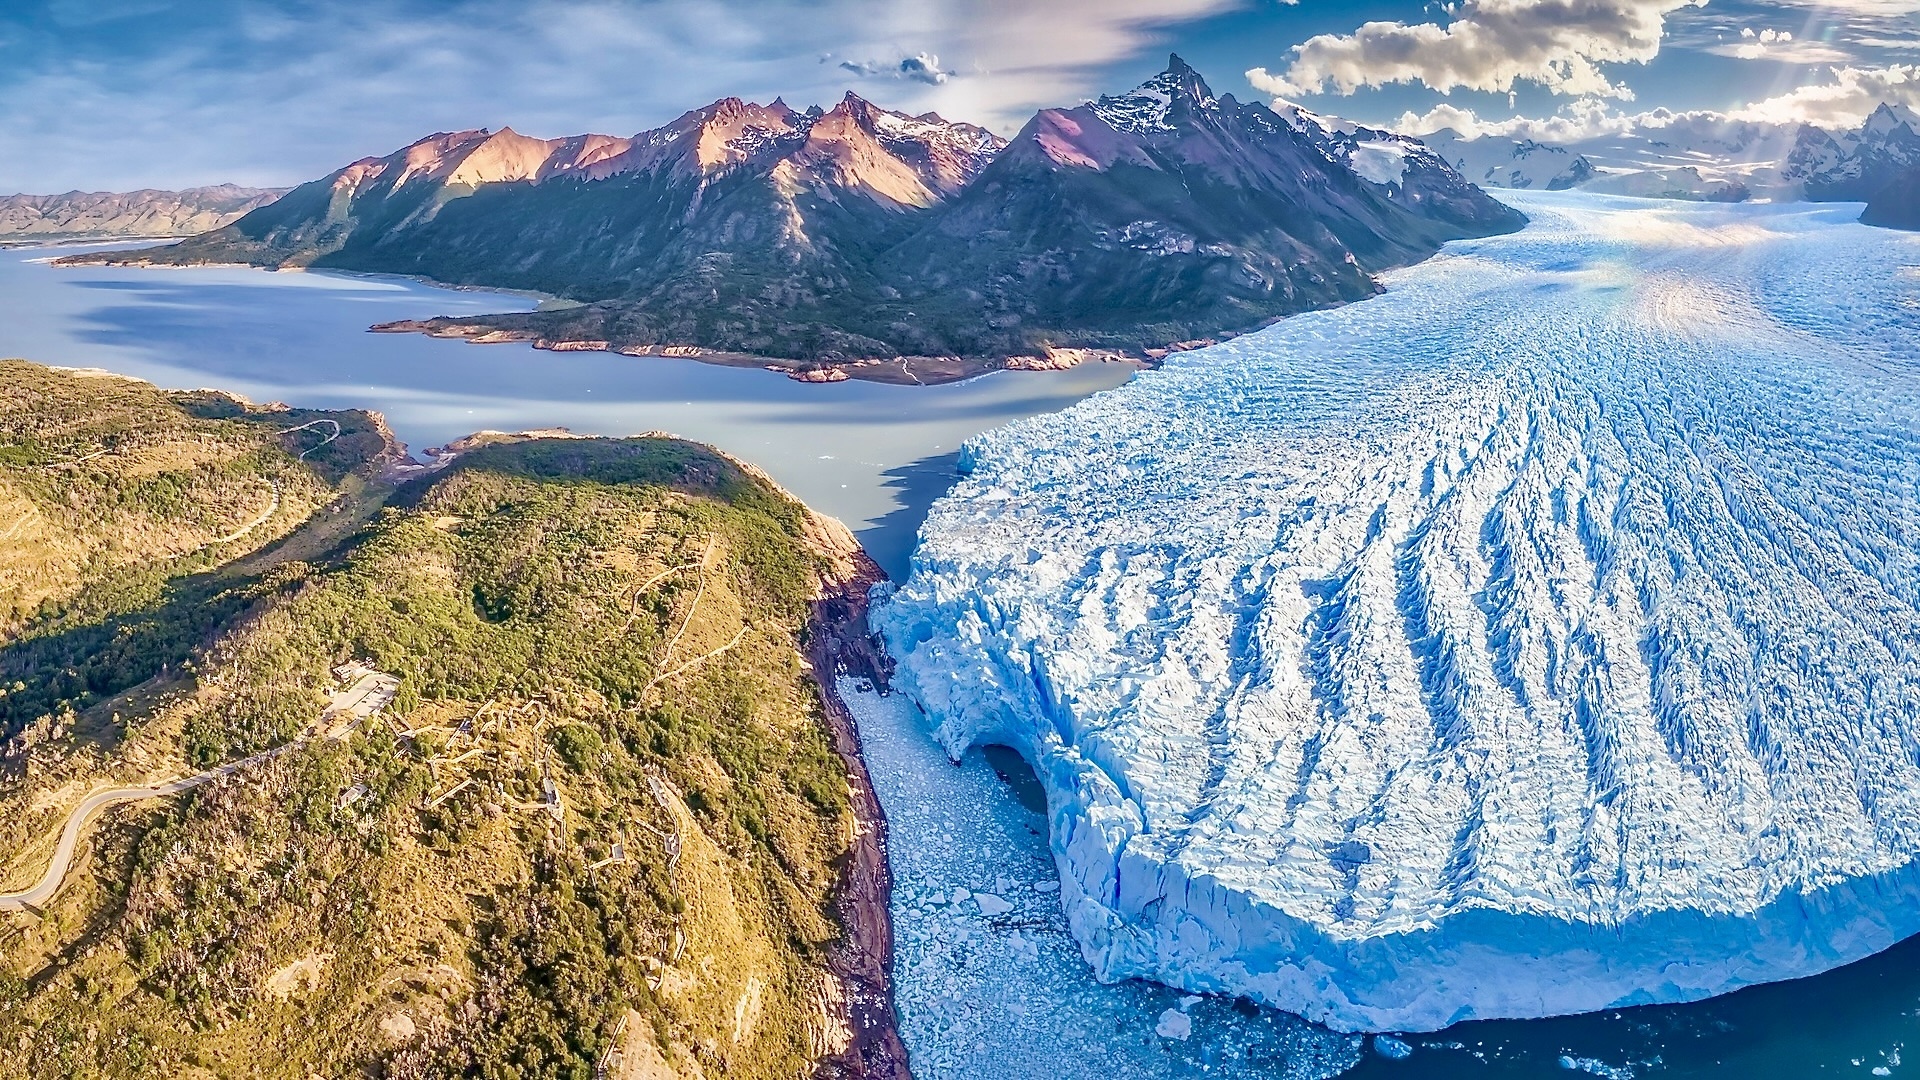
(1540,636)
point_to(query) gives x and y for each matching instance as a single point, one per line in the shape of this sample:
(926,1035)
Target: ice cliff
(1540,636)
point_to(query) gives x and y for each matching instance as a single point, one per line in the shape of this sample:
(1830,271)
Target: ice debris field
(1539,636)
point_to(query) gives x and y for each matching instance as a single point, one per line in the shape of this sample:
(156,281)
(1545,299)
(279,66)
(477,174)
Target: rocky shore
(838,642)
(893,370)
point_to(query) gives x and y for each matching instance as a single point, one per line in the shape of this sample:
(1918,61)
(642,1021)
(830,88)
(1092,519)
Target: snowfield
(1540,636)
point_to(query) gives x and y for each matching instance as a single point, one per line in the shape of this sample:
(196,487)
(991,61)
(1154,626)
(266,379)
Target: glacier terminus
(1540,636)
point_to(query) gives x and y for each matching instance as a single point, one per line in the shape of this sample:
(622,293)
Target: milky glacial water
(873,456)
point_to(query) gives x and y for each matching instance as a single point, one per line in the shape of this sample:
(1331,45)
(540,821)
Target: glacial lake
(876,457)
(873,456)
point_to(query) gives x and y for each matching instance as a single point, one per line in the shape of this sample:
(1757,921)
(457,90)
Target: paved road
(38,895)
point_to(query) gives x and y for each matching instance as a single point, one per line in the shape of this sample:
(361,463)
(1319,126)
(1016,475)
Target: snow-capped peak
(1146,107)
(1888,117)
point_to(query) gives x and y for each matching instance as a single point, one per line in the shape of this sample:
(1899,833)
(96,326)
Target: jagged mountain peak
(1153,105)
(1854,165)
(1889,116)
(1180,79)
(895,159)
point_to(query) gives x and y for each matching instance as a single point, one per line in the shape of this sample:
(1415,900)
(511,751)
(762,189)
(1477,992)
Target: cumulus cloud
(1489,45)
(921,67)
(1841,103)
(1588,118)
(924,67)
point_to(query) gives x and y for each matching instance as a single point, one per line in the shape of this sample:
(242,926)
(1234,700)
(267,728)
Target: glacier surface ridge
(1539,636)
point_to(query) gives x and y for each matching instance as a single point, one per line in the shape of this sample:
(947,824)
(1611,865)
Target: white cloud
(924,67)
(1588,118)
(1780,47)
(920,67)
(276,93)
(1489,45)
(1842,103)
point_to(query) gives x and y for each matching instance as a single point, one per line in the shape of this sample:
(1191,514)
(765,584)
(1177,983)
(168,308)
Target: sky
(120,94)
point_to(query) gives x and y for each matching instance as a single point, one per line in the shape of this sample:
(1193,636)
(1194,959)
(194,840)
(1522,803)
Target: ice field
(1539,636)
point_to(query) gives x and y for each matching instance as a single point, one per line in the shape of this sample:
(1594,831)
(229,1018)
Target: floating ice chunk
(990,905)
(1395,1049)
(1538,637)
(1174,1024)
(1596,1067)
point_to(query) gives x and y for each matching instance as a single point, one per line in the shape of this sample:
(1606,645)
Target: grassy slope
(260,927)
(103,477)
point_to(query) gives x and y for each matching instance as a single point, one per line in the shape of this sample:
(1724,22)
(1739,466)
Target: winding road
(335,424)
(49,883)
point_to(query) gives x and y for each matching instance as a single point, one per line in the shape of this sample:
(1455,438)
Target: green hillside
(601,822)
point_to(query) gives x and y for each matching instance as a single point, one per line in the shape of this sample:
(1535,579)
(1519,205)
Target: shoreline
(543,301)
(839,643)
(889,370)
(886,370)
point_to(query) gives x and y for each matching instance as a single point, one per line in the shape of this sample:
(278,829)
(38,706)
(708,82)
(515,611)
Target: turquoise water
(874,456)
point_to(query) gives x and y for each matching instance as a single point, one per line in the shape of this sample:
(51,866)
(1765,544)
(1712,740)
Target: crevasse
(1540,636)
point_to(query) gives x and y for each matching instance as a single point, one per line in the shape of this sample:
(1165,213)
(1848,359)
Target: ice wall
(1540,636)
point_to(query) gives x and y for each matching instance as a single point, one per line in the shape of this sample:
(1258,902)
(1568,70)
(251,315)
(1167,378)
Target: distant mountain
(84,215)
(1897,204)
(1854,166)
(856,233)
(1702,158)
(1521,164)
(1693,159)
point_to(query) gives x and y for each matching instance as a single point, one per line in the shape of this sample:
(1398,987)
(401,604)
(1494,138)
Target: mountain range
(846,239)
(91,215)
(1855,166)
(1702,158)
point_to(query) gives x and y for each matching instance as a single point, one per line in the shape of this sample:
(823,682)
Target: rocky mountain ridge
(83,215)
(1855,166)
(815,240)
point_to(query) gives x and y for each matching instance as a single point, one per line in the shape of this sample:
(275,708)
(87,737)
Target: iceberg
(1540,636)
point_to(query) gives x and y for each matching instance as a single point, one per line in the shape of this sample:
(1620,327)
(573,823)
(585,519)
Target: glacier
(1539,636)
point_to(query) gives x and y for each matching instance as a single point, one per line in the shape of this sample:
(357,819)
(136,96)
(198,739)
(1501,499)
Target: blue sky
(113,94)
